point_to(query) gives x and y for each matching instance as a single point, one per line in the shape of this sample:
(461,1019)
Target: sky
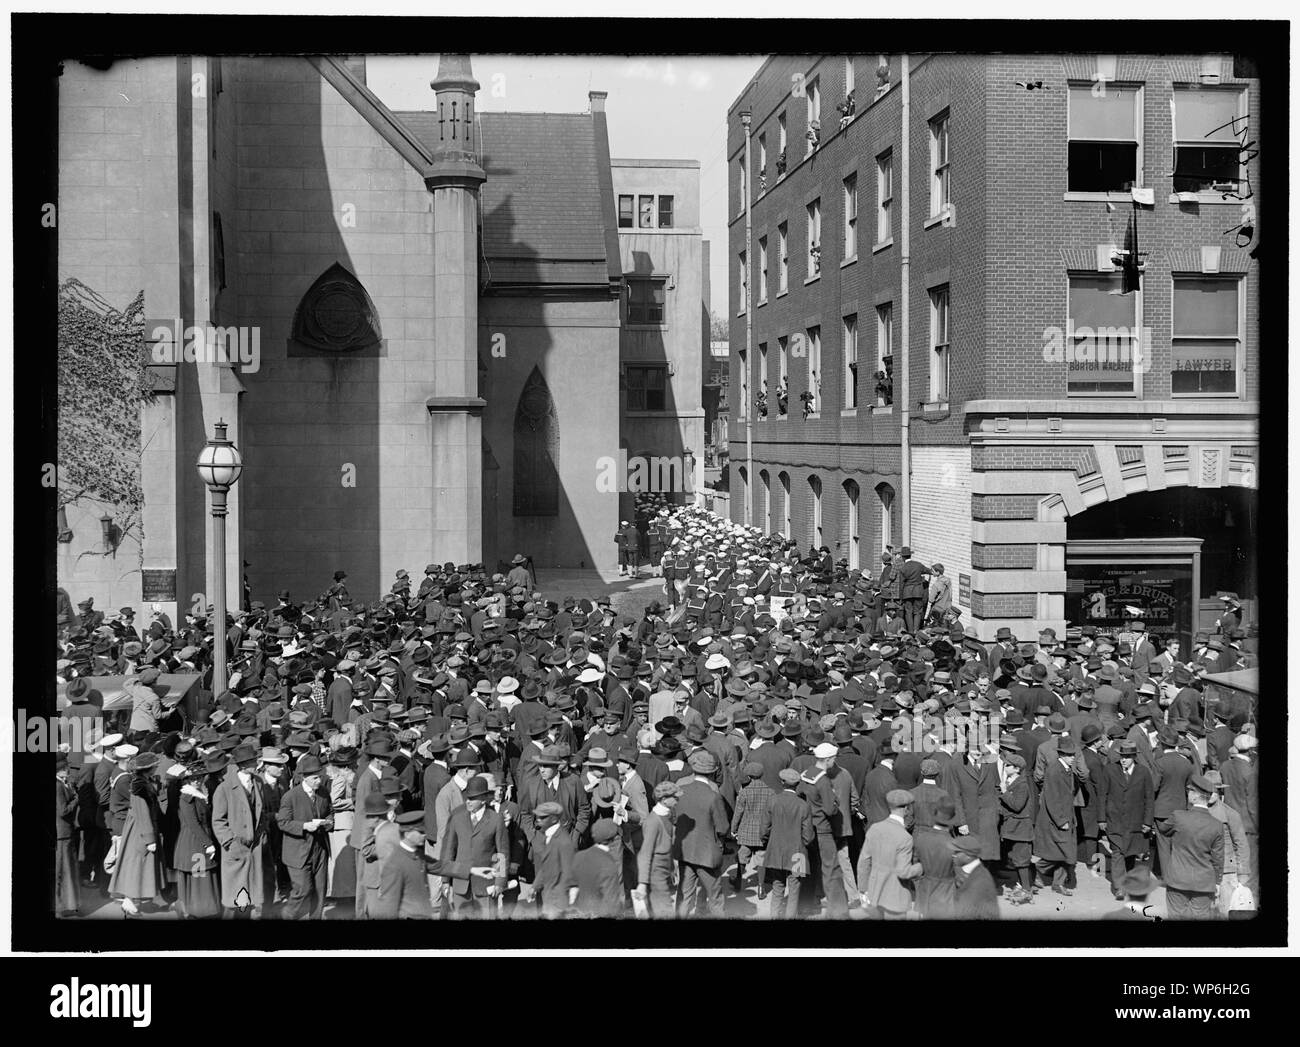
(659,108)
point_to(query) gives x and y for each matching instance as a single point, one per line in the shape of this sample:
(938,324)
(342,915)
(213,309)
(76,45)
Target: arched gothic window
(536,438)
(336,315)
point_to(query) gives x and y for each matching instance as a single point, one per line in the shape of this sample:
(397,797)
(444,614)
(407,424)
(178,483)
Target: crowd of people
(781,736)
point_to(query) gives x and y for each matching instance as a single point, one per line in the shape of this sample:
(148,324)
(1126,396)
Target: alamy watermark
(1124,347)
(208,344)
(665,474)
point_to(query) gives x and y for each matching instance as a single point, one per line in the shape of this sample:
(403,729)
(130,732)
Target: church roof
(544,222)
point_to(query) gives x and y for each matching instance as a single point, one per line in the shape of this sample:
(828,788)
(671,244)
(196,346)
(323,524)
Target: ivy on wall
(103,381)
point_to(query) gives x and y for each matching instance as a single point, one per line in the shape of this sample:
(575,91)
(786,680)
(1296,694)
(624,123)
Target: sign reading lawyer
(1110,595)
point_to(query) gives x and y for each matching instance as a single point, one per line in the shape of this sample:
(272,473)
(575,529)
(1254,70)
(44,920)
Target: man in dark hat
(241,823)
(474,852)
(702,827)
(1055,830)
(1195,864)
(305,821)
(1129,806)
(913,581)
(403,893)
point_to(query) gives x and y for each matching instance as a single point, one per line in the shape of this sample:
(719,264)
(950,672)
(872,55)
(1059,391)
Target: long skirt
(342,866)
(138,874)
(197,894)
(67,877)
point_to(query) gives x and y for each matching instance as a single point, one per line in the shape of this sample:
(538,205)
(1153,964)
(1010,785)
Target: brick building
(1067,450)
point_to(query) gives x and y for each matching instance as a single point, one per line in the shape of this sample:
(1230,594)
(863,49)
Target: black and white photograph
(705,493)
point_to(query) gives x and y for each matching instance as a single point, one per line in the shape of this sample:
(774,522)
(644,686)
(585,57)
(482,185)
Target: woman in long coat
(194,855)
(342,790)
(140,874)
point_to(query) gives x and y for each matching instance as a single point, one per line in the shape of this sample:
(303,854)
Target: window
(744,283)
(814,238)
(886,495)
(744,492)
(855,550)
(939,170)
(851,216)
(848,75)
(762,155)
(815,489)
(814,93)
(743,358)
(665,212)
(1207,335)
(625,212)
(884,197)
(767,501)
(851,361)
(742,180)
(939,345)
(646,388)
(782,377)
(1208,123)
(645,301)
(1101,334)
(762,269)
(536,445)
(814,348)
(762,373)
(336,315)
(884,355)
(783,259)
(781,158)
(646,211)
(219,247)
(784,478)
(1105,144)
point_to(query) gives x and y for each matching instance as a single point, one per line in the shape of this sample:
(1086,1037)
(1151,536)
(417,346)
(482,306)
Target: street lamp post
(219,467)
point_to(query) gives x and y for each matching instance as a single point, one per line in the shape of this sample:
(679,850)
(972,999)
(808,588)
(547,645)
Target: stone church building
(410,323)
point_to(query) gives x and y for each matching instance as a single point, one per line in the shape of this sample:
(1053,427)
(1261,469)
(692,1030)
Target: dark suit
(465,846)
(936,886)
(912,589)
(1129,805)
(554,874)
(304,854)
(575,804)
(1195,863)
(403,888)
(701,826)
(600,887)
(879,781)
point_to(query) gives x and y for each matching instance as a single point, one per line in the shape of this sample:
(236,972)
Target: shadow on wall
(311,434)
(538,427)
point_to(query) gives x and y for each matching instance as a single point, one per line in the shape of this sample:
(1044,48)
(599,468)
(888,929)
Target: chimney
(597,100)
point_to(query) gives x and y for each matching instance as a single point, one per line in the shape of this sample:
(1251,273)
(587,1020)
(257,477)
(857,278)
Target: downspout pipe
(746,118)
(905,363)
